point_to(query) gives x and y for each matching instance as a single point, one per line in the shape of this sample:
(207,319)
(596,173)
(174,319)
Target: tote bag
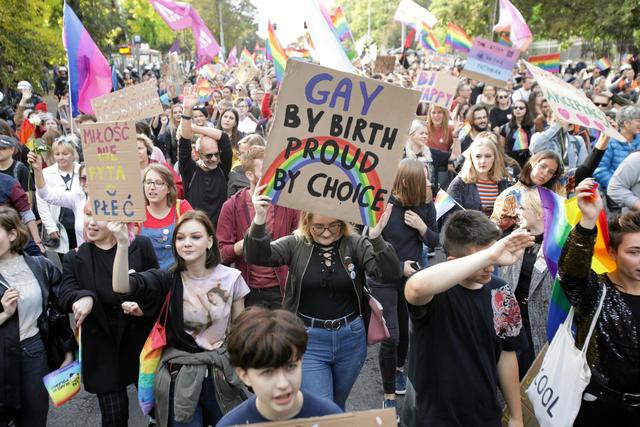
(377,330)
(150,359)
(556,391)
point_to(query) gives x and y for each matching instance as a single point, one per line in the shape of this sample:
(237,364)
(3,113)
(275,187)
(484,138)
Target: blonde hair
(530,200)
(304,233)
(469,175)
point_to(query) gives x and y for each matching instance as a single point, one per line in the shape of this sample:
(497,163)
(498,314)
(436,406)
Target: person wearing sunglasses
(516,134)
(501,113)
(205,179)
(325,287)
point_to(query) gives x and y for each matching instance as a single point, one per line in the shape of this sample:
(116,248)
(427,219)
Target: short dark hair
(628,222)
(213,254)
(465,229)
(261,338)
(10,220)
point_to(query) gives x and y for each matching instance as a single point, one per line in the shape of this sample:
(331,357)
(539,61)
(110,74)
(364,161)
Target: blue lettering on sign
(343,90)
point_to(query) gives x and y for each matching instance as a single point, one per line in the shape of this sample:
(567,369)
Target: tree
(384,30)
(238,20)
(142,19)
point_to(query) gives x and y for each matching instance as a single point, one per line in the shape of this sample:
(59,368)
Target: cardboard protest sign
(438,87)
(374,417)
(245,71)
(490,62)
(64,383)
(570,104)
(113,171)
(384,64)
(131,103)
(173,74)
(442,60)
(336,142)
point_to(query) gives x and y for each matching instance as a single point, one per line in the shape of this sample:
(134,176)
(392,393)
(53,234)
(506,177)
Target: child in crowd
(266,347)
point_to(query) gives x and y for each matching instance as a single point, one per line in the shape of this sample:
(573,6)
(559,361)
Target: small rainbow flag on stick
(504,40)
(521,140)
(457,38)
(443,203)
(340,26)
(429,41)
(549,62)
(603,64)
(560,216)
(64,383)
(276,53)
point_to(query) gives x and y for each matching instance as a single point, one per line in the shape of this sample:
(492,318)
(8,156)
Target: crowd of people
(259,296)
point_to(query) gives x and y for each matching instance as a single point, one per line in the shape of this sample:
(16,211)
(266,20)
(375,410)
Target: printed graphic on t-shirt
(507,320)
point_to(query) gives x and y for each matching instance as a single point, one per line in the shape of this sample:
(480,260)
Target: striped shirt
(488,191)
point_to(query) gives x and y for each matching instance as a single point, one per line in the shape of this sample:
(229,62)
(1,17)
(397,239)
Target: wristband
(185,117)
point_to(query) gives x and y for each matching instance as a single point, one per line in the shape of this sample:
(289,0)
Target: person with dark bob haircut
(266,347)
(27,288)
(203,296)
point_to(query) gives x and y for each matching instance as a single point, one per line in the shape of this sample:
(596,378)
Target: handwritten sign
(113,171)
(437,87)
(570,104)
(173,74)
(441,60)
(246,71)
(384,64)
(490,62)
(132,103)
(335,146)
(64,383)
(374,417)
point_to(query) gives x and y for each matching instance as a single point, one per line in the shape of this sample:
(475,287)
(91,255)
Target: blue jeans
(333,360)
(207,411)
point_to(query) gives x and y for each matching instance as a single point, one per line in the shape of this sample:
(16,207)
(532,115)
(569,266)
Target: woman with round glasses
(325,288)
(163,208)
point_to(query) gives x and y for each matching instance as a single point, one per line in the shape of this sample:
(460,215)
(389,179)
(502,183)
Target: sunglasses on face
(519,108)
(502,97)
(209,156)
(600,104)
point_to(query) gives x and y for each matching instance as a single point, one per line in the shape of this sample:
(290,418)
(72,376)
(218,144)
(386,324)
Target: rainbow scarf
(429,41)
(64,383)
(603,64)
(339,23)
(457,38)
(521,140)
(550,62)
(276,54)
(560,216)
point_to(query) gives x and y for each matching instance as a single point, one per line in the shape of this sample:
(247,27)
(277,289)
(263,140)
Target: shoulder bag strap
(164,312)
(594,321)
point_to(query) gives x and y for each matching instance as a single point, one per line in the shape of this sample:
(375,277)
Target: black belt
(331,325)
(629,399)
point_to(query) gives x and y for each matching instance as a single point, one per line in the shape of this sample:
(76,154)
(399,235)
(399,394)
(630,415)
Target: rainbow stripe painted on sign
(457,38)
(276,54)
(521,140)
(550,62)
(296,161)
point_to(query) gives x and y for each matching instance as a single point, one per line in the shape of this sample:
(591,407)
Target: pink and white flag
(511,21)
(177,15)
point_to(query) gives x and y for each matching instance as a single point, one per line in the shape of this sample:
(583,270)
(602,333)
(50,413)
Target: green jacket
(375,258)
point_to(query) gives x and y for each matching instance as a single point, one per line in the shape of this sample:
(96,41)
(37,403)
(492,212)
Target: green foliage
(238,20)
(384,30)
(142,19)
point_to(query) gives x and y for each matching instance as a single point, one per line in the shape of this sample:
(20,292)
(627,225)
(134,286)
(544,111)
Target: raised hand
(190,98)
(510,249)
(260,205)
(589,202)
(120,232)
(384,219)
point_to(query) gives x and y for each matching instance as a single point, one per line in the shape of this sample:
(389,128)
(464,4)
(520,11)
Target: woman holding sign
(325,288)
(26,285)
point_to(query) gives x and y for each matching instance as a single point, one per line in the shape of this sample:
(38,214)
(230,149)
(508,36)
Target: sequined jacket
(614,351)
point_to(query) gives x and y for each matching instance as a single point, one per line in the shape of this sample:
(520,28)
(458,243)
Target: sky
(287,14)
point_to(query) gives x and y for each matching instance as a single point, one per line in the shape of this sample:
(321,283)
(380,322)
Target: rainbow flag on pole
(560,216)
(429,41)
(504,40)
(443,203)
(245,55)
(603,64)
(276,54)
(521,140)
(549,62)
(340,26)
(457,38)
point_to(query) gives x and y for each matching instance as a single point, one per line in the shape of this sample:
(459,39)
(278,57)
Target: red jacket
(235,219)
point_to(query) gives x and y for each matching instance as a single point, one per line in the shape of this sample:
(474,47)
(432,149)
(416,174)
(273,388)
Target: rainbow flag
(276,54)
(340,26)
(549,62)
(204,90)
(457,38)
(232,59)
(64,383)
(443,203)
(603,64)
(504,40)
(429,41)
(245,55)
(560,216)
(521,140)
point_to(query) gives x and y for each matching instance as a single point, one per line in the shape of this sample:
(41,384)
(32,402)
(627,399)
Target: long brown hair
(213,253)
(410,186)
(167,177)
(431,128)
(554,183)
(10,220)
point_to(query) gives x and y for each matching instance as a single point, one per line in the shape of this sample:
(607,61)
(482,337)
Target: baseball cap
(24,85)
(7,141)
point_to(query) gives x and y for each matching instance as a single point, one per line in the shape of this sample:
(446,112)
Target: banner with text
(131,103)
(570,104)
(490,62)
(113,172)
(435,59)
(336,142)
(437,87)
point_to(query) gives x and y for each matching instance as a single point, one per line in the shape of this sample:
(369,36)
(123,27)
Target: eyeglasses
(150,183)
(503,97)
(333,228)
(600,104)
(519,108)
(210,156)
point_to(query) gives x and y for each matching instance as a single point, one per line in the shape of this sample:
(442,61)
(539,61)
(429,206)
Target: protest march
(319,213)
